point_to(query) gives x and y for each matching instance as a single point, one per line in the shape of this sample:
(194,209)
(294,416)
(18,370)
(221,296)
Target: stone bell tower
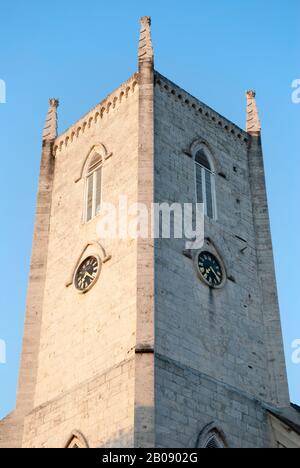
(141,342)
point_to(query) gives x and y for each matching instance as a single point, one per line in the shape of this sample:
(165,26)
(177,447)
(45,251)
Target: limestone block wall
(189,401)
(278,385)
(86,336)
(11,429)
(218,333)
(101,409)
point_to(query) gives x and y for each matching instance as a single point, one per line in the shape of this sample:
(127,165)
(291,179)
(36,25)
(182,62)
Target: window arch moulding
(99,149)
(98,249)
(211,436)
(76,440)
(205,181)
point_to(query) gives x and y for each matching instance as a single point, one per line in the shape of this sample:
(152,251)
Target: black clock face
(210,269)
(87,274)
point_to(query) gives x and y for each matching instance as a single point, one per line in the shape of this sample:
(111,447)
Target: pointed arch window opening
(211,438)
(205,184)
(214,443)
(76,441)
(74,444)
(93,188)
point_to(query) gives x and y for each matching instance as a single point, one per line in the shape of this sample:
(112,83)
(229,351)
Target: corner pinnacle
(253,122)
(50,128)
(145,53)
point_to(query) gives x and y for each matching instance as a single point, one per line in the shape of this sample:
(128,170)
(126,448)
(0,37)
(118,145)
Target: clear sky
(80,51)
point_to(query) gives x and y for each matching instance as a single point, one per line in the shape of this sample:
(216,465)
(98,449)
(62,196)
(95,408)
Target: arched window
(211,438)
(76,440)
(74,444)
(214,442)
(205,183)
(92,198)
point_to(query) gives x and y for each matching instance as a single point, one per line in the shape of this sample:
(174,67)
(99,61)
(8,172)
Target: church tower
(141,342)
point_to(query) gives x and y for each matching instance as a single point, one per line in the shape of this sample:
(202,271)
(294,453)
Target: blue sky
(80,51)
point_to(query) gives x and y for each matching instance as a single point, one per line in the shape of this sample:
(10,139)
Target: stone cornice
(192,103)
(111,102)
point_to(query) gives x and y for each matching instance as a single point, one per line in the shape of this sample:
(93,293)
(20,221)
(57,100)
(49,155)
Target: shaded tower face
(135,341)
(218,339)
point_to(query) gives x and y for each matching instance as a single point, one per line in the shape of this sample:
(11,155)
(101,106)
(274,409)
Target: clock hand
(87,274)
(214,272)
(84,276)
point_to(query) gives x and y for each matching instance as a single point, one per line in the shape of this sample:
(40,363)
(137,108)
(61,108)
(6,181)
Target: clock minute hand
(211,269)
(87,274)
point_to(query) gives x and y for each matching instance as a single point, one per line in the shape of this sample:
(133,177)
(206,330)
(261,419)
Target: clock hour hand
(87,274)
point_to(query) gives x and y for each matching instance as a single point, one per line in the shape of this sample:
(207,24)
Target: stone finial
(253,123)
(50,128)
(145,43)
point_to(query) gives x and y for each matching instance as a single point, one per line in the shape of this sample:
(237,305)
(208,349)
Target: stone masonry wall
(83,336)
(188,401)
(100,408)
(218,333)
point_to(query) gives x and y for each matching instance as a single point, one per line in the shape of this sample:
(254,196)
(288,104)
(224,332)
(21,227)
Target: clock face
(87,274)
(210,269)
